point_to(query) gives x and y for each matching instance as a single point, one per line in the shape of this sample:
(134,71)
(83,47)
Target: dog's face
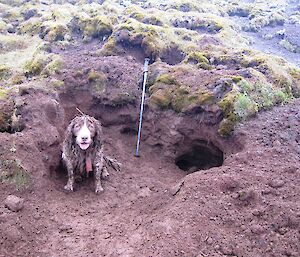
(84,130)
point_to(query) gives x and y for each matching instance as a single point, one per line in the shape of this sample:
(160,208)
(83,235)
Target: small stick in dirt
(113,163)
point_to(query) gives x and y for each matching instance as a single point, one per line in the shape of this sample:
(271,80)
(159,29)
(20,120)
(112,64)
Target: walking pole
(142,106)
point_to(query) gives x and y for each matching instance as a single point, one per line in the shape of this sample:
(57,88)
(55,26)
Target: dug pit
(201,156)
(189,155)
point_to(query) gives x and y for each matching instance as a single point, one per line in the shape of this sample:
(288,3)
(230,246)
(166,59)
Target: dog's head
(84,131)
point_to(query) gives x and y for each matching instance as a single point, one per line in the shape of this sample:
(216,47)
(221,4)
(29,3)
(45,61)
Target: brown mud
(242,199)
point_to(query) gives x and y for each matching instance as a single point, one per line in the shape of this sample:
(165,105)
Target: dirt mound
(201,187)
(160,204)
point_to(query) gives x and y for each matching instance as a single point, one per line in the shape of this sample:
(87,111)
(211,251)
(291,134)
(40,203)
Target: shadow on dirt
(202,156)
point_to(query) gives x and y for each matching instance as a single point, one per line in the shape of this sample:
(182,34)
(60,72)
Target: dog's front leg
(70,184)
(98,172)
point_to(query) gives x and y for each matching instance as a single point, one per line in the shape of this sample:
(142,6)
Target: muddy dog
(83,151)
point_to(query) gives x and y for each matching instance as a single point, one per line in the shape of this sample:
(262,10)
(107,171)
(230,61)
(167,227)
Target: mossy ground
(12,172)
(210,44)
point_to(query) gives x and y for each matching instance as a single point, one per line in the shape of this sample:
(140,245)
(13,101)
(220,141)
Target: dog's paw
(68,188)
(78,178)
(105,174)
(99,189)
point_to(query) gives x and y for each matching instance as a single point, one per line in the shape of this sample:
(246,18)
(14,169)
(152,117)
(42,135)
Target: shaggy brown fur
(75,158)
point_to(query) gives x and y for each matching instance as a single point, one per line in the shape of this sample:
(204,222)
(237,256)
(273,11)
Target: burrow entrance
(202,155)
(190,155)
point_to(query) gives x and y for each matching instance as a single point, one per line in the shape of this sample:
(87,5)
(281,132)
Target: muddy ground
(248,206)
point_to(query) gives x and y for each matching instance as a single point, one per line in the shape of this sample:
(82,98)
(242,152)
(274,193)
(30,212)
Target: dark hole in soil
(128,131)
(202,156)
(172,56)
(60,170)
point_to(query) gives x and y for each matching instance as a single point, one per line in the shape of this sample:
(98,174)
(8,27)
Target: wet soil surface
(249,206)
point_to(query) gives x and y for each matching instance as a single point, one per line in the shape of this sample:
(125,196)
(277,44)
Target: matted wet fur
(76,159)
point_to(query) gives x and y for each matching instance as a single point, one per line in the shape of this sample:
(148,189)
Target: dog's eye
(77,126)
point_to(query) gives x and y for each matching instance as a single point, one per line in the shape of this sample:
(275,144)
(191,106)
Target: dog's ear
(69,136)
(98,139)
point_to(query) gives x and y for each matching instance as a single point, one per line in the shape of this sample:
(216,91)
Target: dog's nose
(84,138)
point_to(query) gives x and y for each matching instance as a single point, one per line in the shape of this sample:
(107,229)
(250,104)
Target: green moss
(93,27)
(32,27)
(227,125)
(227,103)
(53,67)
(135,34)
(245,86)
(3,95)
(57,33)
(210,26)
(184,6)
(18,79)
(259,20)
(5,72)
(204,66)
(281,97)
(161,98)
(237,79)
(196,57)
(150,45)
(295,73)
(244,106)
(10,43)
(36,65)
(204,97)
(12,171)
(153,20)
(137,15)
(166,79)
(265,96)
(129,25)
(226,59)
(57,83)
(180,99)
(110,48)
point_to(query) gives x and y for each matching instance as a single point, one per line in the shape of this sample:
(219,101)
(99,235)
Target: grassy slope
(250,80)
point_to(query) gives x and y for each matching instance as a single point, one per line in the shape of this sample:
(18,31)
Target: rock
(209,241)
(144,192)
(227,250)
(14,203)
(276,183)
(65,228)
(175,189)
(257,229)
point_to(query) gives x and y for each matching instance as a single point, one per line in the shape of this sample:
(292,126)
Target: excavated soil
(242,199)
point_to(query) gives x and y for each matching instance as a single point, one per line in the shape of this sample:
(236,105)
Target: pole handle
(147,60)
